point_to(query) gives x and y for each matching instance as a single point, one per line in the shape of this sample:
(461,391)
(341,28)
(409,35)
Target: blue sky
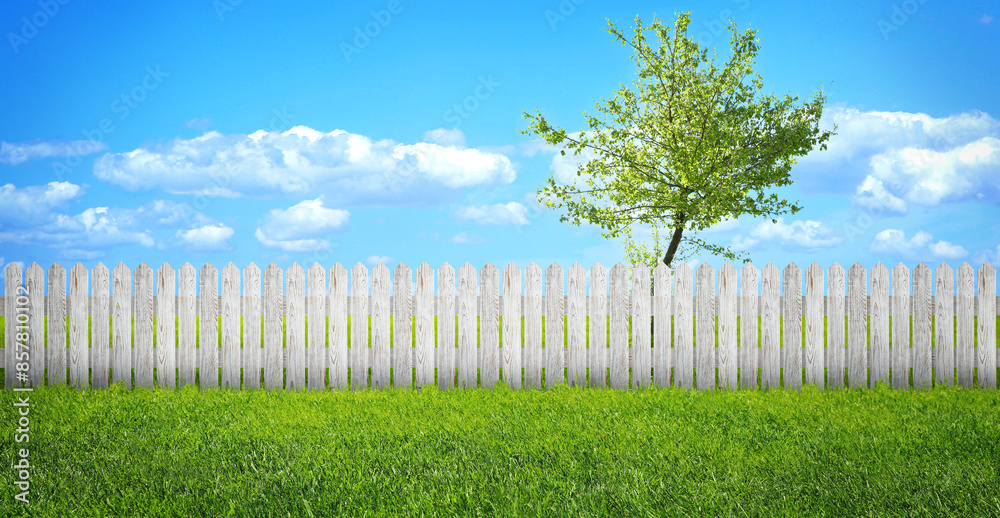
(316,131)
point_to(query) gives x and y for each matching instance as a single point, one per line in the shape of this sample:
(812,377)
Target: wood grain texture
(704,346)
(187,352)
(965,326)
(770,339)
(359,327)
(446,327)
(295,328)
(208,327)
(13,279)
(402,326)
(424,354)
(642,310)
(662,350)
(857,309)
(618,355)
(986,352)
(598,322)
(121,332)
(100,337)
(489,325)
(900,327)
(749,348)
(944,327)
(683,326)
(316,324)
(381,354)
(922,312)
(836,327)
(339,285)
(511,350)
(253,354)
(554,328)
(79,354)
(879,311)
(814,354)
(165,354)
(34,281)
(143,326)
(467,349)
(55,308)
(792,327)
(576,326)
(273,323)
(230,352)
(726,313)
(533,359)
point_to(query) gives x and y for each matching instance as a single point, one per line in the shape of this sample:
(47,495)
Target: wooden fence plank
(230,352)
(316,323)
(381,359)
(79,354)
(814,354)
(273,323)
(944,327)
(598,322)
(121,332)
(770,338)
(662,350)
(704,346)
(338,327)
(792,327)
(836,326)
(857,309)
(618,354)
(55,308)
(965,326)
(879,310)
(726,311)
(100,338)
(253,354)
(208,327)
(511,315)
(187,352)
(642,305)
(749,349)
(295,328)
(900,327)
(359,327)
(34,281)
(554,328)
(402,326)
(166,341)
(986,358)
(467,350)
(922,311)
(446,327)
(683,326)
(12,290)
(576,326)
(533,359)
(489,281)
(424,363)
(143,326)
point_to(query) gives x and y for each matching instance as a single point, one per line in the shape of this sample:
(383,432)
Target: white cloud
(982,256)
(34,203)
(375,259)
(207,237)
(345,167)
(14,153)
(806,235)
(872,194)
(466,239)
(198,123)
(512,213)
(920,247)
(446,137)
(302,227)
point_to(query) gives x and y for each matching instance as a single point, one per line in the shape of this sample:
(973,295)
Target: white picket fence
(961,349)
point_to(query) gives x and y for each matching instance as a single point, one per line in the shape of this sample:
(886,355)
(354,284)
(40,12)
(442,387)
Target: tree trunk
(675,240)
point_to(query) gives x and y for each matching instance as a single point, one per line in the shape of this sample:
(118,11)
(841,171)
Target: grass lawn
(558,452)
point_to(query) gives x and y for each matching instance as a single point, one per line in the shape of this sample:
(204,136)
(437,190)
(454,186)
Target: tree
(686,148)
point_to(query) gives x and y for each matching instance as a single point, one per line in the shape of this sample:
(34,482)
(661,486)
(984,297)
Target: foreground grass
(560,452)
